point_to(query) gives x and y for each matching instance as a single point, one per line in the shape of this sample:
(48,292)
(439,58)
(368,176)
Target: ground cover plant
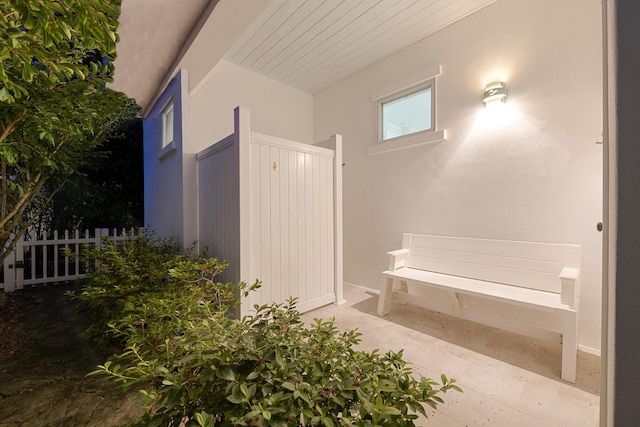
(198,365)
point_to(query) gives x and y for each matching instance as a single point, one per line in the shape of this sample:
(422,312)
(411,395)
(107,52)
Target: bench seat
(532,298)
(540,279)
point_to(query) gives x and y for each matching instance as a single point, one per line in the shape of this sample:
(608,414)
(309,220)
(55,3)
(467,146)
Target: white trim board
(408,141)
(416,79)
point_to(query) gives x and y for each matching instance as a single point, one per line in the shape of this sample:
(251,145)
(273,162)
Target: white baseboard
(374,291)
(589,350)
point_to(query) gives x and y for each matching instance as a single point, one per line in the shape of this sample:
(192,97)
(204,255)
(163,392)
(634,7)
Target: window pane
(406,115)
(167,125)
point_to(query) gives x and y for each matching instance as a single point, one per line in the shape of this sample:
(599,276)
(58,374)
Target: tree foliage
(44,139)
(44,43)
(107,192)
(55,58)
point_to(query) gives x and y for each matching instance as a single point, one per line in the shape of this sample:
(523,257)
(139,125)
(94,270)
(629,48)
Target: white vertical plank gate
(273,208)
(43,258)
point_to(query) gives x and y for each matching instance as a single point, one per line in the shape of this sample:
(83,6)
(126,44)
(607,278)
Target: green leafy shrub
(120,270)
(200,366)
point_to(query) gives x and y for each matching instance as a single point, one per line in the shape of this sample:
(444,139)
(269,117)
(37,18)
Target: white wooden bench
(540,279)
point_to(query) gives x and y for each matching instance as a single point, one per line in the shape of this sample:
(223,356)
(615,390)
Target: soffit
(311,44)
(152,34)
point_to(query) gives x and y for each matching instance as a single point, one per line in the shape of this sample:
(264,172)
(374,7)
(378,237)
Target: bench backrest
(525,264)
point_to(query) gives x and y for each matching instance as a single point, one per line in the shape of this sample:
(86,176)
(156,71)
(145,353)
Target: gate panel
(292,223)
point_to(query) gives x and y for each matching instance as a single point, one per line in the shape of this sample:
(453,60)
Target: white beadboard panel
(264,274)
(336,263)
(389,29)
(301,207)
(313,13)
(322,41)
(309,284)
(315,303)
(407,28)
(291,145)
(218,188)
(269,22)
(281,196)
(294,45)
(293,243)
(257,211)
(273,236)
(282,175)
(351,36)
(294,224)
(310,44)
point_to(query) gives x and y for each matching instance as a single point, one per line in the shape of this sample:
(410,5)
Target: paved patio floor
(508,379)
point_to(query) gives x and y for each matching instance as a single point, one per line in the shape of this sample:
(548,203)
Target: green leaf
(204,419)
(327,422)
(289,386)
(66,29)
(27,73)
(388,410)
(226,373)
(235,399)
(28,21)
(4,95)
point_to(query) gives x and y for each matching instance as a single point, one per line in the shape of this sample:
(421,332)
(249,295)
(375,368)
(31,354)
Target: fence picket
(19,259)
(9,279)
(66,248)
(45,254)
(37,248)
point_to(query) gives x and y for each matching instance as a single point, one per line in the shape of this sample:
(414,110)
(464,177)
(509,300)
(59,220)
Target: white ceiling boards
(310,44)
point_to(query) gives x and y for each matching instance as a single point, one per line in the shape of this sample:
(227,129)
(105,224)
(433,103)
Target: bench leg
(570,347)
(386,294)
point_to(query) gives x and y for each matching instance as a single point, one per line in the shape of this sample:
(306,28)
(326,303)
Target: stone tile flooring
(508,379)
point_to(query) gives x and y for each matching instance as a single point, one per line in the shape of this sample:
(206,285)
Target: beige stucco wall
(276,109)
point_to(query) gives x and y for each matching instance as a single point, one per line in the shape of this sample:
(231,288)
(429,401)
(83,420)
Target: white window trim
(399,89)
(171,146)
(408,141)
(429,84)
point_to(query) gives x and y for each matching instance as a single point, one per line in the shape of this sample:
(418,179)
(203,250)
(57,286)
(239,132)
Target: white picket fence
(44,259)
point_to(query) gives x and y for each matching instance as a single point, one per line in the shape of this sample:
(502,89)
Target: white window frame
(164,113)
(430,84)
(399,90)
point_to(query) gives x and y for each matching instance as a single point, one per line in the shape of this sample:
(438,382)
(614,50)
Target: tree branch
(11,126)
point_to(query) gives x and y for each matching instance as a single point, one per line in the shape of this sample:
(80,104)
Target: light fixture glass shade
(494,93)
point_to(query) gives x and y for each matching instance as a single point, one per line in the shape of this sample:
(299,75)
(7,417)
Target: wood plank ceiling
(311,44)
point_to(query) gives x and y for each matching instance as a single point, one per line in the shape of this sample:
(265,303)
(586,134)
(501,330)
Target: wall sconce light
(494,93)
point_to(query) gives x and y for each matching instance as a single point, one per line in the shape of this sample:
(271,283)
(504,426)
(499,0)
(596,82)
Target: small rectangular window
(407,112)
(167,124)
